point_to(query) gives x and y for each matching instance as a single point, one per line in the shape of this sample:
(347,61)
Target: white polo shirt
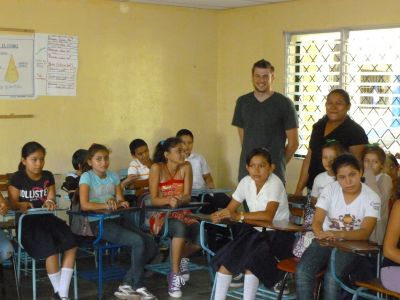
(321,181)
(272,190)
(200,168)
(137,168)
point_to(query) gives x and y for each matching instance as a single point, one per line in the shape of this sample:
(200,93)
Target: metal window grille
(366,63)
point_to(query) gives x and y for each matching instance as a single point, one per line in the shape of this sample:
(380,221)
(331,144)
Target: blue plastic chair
(202,193)
(165,267)
(355,292)
(100,247)
(32,260)
(235,293)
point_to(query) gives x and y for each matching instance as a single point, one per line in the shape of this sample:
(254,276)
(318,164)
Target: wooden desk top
(286,226)
(114,212)
(351,246)
(297,199)
(167,208)
(9,224)
(276,225)
(376,285)
(197,192)
(107,212)
(201,217)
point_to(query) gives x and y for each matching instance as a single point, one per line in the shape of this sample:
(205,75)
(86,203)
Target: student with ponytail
(170,184)
(100,188)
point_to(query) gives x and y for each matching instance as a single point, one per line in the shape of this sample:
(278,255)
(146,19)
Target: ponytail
(21,166)
(165,146)
(158,155)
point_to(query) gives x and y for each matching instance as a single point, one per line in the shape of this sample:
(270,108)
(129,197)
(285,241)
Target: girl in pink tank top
(170,184)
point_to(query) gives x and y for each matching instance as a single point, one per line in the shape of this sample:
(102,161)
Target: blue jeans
(6,249)
(143,248)
(314,259)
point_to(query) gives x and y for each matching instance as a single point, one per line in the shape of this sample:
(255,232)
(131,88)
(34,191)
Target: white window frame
(388,137)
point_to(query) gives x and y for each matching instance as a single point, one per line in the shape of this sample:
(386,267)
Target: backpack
(79,224)
(306,238)
(151,221)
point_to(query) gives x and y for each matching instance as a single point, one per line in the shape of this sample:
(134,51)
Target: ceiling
(209,4)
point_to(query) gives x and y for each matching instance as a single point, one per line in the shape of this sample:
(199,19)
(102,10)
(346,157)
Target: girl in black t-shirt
(44,236)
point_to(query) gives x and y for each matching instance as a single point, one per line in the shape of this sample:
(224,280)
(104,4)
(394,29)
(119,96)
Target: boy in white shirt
(202,174)
(330,151)
(139,168)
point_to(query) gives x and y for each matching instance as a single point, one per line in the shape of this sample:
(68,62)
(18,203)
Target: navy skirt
(257,252)
(46,235)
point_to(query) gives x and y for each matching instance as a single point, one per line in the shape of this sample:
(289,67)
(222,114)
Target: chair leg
(2,282)
(75,283)
(15,276)
(33,279)
(283,286)
(212,296)
(210,269)
(19,264)
(26,263)
(100,273)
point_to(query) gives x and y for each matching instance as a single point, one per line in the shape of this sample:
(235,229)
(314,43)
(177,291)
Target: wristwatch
(241,219)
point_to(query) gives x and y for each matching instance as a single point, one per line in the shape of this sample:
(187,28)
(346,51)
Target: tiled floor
(198,288)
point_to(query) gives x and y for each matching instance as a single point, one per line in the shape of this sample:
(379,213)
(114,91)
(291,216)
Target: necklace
(169,172)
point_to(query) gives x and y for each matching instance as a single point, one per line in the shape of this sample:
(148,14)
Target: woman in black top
(337,125)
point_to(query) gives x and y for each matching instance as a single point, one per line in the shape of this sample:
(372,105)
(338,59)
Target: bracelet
(52,201)
(241,218)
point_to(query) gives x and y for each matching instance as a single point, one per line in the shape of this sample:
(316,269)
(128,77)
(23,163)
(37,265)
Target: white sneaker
(237,281)
(184,268)
(145,294)
(278,286)
(125,291)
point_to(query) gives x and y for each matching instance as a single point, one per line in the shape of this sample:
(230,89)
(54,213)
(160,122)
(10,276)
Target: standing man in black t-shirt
(265,118)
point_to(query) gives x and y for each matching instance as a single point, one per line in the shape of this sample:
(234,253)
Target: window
(366,63)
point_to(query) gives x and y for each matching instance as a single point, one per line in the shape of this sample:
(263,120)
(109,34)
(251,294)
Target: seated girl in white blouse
(253,252)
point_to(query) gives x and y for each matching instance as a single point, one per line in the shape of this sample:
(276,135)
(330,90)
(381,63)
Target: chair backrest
(6,222)
(4,180)
(297,208)
(123,173)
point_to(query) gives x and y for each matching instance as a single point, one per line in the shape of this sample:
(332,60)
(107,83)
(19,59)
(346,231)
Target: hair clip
(373,145)
(162,142)
(330,141)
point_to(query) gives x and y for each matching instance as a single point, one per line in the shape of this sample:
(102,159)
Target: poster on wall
(16,66)
(56,64)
